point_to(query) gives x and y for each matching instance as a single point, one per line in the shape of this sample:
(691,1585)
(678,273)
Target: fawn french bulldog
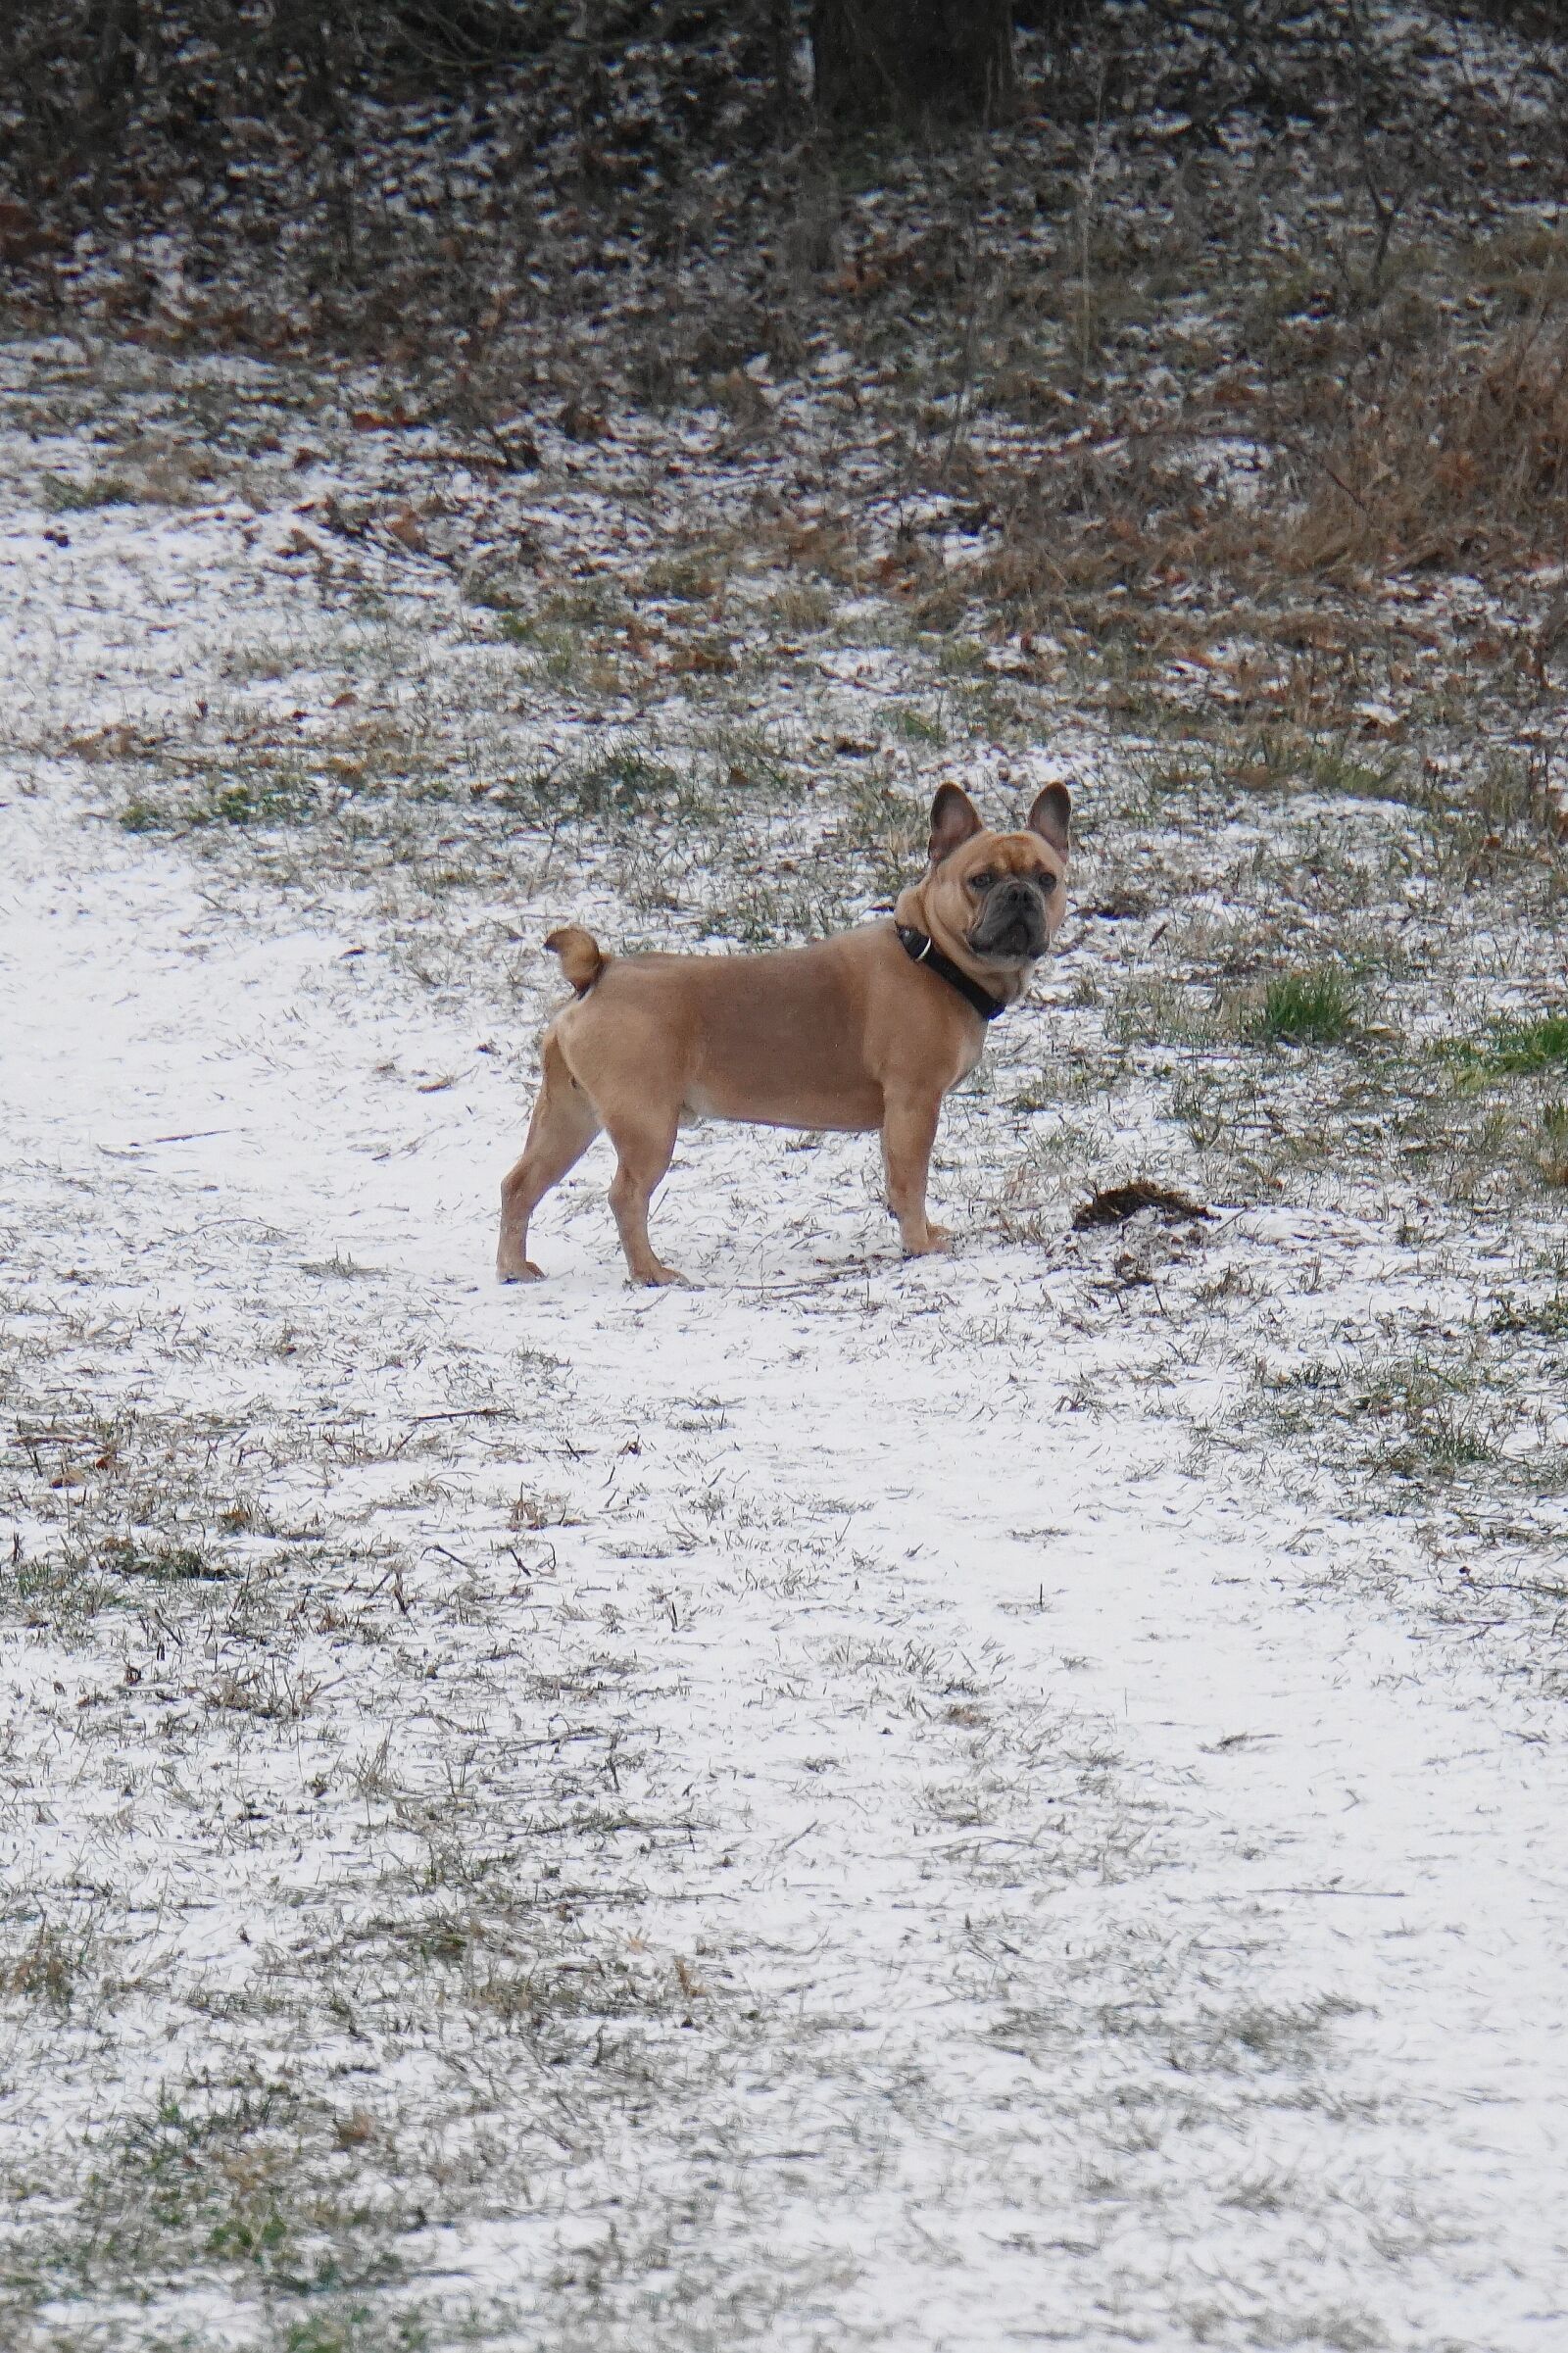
(871,1029)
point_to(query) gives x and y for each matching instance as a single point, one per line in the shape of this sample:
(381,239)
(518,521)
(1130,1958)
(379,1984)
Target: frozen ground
(854,1805)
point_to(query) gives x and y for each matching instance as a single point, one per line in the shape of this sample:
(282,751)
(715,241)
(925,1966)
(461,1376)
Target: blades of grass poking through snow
(619,780)
(1302,1009)
(1532,1046)
(81,498)
(276,791)
(1524,1048)
(1518,1315)
(1551,1149)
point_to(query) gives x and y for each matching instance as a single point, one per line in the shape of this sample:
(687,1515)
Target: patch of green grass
(63,1589)
(55,1590)
(622,779)
(1544,1319)
(282,788)
(1439,1437)
(239,2183)
(268,796)
(160,1564)
(1302,1009)
(1414,1417)
(359,2328)
(1517,1047)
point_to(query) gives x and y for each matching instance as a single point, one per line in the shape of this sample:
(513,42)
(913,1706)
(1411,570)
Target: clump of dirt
(1114,1205)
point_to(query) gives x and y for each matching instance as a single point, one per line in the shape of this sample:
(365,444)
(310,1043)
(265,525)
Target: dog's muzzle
(1013,923)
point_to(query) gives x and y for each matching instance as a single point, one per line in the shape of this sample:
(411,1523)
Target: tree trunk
(781,44)
(116,30)
(904,61)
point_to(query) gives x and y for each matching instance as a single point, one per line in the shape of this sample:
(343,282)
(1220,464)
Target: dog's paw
(658,1276)
(938,1240)
(524,1271)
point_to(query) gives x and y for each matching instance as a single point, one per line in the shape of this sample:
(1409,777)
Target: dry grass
(1449,456)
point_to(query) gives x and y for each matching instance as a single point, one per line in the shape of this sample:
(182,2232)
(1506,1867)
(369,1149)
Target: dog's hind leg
(564,1125)
(643,1141)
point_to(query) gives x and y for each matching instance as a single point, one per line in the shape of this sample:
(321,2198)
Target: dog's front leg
(908,1131)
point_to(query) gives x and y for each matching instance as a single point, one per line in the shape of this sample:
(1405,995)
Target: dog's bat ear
(1049,815)
(955,820)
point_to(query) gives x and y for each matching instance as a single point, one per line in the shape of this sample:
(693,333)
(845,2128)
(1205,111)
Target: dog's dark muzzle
(1013,923)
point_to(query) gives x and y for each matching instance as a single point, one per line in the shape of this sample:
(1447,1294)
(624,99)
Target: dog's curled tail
(582,959)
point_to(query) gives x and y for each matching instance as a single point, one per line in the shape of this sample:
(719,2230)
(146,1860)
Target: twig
(1385,212)
(465,1413)
(838,1274)
(1372,1895)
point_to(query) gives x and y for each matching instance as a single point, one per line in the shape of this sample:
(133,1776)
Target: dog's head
(995,899)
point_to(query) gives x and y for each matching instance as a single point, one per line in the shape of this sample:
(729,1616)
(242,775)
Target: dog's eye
(981,882)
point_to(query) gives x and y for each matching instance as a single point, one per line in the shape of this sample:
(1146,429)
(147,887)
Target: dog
(871,1029)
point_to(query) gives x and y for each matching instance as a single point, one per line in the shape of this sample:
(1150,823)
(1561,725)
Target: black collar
(920,950)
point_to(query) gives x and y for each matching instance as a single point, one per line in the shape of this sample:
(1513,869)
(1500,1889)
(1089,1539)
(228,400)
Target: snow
(1068,1890)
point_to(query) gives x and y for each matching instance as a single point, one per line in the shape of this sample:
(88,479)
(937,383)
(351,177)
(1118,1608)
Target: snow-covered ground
(810,1811)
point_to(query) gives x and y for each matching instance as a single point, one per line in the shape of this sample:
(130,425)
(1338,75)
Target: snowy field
(1012,1800)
